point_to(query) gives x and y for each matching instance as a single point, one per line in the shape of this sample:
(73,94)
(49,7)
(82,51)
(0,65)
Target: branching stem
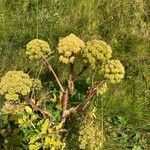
(36,108)
(71,78)
(90,94)
(51,70)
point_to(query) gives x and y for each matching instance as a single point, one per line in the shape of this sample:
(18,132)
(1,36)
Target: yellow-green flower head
(36,84)
(68,47)
(90,137)
(113,70)
(97,50)
(15,83)
(102,89)
(37,48)
(28,109)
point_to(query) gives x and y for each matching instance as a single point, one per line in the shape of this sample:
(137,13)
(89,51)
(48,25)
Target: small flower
(28,110)
(68,47)
(97,50)
(36,84)
(15,83)
(72,59)
(113,70)
(37,48)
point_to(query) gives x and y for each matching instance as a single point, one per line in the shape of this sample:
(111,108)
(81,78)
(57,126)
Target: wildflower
(37,48)
(68,47)
(113,70)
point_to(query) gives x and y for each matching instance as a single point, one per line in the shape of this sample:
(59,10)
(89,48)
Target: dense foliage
(23,109)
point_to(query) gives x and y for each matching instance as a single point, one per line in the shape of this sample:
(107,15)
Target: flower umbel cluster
(97,50)
(68,47)
(15,83)
(113,70)
(37,49)
(36,84)
(90,137)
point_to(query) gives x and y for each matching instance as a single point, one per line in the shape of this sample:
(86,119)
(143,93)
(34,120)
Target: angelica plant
(68,47)
(113,70)
(97,50)
(37,48)
(15,83)
(90,135)
(44,119)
